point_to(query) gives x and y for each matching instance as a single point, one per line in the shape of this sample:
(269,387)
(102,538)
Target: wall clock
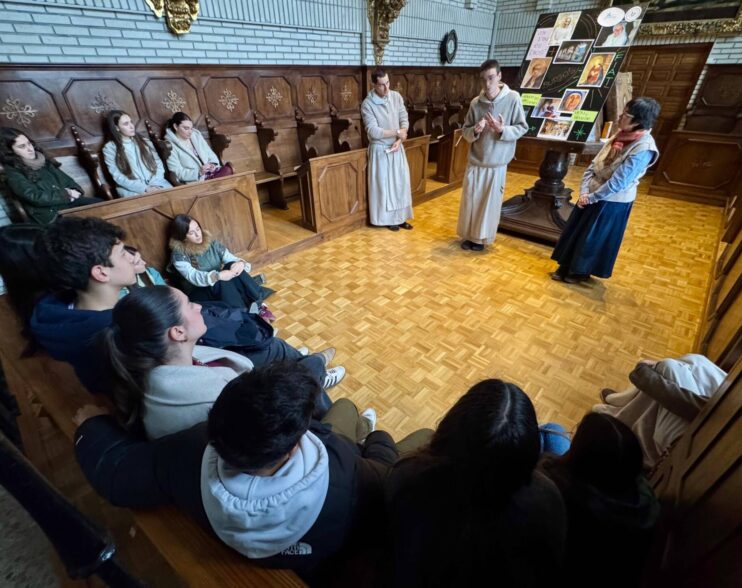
(449,45)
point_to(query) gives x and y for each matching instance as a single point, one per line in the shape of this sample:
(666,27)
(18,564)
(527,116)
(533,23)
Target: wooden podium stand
(543,210)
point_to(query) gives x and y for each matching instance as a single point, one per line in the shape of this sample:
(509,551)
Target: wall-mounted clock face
(449,46)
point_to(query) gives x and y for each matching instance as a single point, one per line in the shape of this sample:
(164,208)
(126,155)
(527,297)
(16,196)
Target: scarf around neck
(623,139)
(36,163)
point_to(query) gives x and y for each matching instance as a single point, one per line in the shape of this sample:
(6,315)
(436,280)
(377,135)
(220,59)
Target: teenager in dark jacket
(35,180)
(469,506)
(611,509)
(277,487)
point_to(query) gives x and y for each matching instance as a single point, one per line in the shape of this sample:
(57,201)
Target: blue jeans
(554,438)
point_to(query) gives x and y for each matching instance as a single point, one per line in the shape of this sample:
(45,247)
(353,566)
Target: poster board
(570,66)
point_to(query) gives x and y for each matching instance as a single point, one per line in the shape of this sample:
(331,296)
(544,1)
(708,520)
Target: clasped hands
(583,200)
(235,270)
(490,122)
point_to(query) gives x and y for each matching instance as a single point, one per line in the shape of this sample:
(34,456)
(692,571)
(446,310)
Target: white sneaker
(334,376)
(303,350)
(370,415)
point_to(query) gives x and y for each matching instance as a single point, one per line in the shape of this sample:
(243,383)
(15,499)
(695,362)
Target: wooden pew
(333,191)
(416,150)
(453,156)
(228,207)
(48,391)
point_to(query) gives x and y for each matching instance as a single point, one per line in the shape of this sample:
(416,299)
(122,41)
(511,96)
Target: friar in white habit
(494,123)
(386,122)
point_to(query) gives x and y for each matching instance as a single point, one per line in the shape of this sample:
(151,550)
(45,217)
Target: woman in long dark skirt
(590,242)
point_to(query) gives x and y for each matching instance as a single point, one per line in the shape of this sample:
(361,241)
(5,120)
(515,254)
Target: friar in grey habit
(386,122)
(494,123)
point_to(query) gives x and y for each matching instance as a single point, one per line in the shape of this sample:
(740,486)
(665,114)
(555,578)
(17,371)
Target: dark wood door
(668,74)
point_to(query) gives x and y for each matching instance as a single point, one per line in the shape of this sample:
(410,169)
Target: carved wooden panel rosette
(227,100)
(312,94)
(28,107)
(166,96)
(345,93)
(273,96)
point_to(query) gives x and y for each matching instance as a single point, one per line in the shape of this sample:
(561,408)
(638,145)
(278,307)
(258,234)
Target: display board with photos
(570,67)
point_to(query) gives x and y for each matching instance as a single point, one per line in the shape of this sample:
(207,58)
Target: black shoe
(393,227)
(477,247)
(466,245)
(405,225)
(556,276)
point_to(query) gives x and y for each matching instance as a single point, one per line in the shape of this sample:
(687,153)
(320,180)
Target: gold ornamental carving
(346,93)
(228,100)
(381,14)
(312,96)
(173,102)
(179,14)
(716,26)
(102,104)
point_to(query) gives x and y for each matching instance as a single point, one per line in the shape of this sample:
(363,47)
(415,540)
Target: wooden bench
(47,390)
(228,207)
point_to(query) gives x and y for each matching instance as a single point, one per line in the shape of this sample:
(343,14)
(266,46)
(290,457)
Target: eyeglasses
(627,115)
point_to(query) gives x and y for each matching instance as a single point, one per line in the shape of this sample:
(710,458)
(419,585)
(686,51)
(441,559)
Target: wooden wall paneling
(227,100)
(700,167)
(669,74)
(227,207)
(347,93)
(29,107)
(453,156)
(718,106)
(163,97)
(702,540)
(416,151)
(333,191)
(273,99)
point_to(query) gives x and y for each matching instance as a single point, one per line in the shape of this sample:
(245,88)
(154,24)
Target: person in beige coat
(665,397)
(494,122)
(191,159)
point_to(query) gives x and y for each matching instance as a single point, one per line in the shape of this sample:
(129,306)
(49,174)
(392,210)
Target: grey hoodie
(261,516)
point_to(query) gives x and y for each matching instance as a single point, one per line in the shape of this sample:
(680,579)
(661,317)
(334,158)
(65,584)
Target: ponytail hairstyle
(180,225)
(176,120)
(136,343)
(112,119)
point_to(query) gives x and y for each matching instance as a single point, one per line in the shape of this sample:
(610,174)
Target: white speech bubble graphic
(610,16)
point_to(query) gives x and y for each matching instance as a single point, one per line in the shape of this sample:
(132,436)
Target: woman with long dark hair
(611,509)
(35,180)
(209,271)
(163,380)
(590,242)
(192,159)
(131,159)
(470,505)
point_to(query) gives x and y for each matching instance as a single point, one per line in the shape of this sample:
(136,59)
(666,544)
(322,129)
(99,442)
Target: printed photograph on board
(573,52)
(572,100)
(596,69)
(546,108)
(564,27)
(536,73)
(557,130)
(619,35)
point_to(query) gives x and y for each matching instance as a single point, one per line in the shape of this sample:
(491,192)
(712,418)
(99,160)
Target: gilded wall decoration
(228,100)
(102,104)
(691,17)
(173,102)
(13,111)
(381,14)
(179,14)
(274,97)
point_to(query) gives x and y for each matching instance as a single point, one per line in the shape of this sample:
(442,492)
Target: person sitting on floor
(470,504)
(209,271)
(36,180)
(666,396)
(317,488)
(131,159)
(611,509)
(164,381)
(146,274)
(191,160)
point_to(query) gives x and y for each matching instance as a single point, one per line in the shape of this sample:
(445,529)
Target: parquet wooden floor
(417,321)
